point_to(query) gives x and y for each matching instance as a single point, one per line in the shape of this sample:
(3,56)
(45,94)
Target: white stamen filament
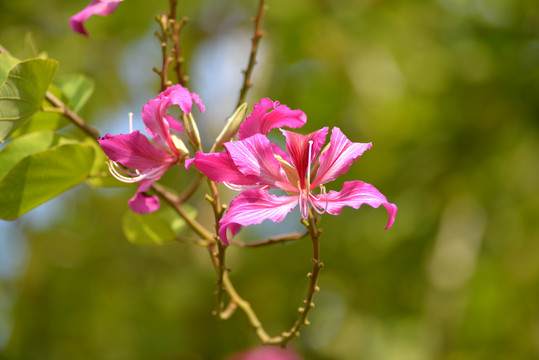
(309,167)
(312,198)
(128,177)
(130,122)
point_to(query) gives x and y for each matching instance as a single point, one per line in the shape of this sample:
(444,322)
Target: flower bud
(231,127)
(191,130)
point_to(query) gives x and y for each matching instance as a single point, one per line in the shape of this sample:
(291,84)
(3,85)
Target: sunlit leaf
(160,227)
(73,90)
(29,144)
(77,88)
(23,91)
(7,63)
(42,176)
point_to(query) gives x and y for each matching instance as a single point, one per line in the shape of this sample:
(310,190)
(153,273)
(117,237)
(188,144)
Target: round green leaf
(23,91)
(42,176)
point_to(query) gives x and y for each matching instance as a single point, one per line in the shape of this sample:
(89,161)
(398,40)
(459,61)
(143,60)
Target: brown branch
(313,287)
(173,200)
(177,52)
(255,40)
(274,240)
(166,58)
(70,115)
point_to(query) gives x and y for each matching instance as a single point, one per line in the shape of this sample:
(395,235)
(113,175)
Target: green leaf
(7,62)
(73,90)
(42,176)
(29,46)
(29,144)
(77,88)
(23,91)
(160,227)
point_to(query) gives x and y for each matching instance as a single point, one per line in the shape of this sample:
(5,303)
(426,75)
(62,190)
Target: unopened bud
(191,130)
(231,127)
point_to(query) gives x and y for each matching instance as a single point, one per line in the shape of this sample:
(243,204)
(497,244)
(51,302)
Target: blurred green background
(447,91)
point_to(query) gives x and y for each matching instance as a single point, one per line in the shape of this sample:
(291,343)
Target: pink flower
(254,165)
(150,161)
(96,7)
(267,352)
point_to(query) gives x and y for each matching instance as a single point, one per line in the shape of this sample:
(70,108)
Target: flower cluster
(252,165)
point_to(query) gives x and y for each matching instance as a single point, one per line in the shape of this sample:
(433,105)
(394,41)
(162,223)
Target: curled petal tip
(392,210)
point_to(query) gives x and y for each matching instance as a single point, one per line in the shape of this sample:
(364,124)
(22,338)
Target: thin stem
(166,58)
(313,287)
(173,200)
(186,195)
(198,242)
(221,248)
(255,40)
(279,239)
(70,115)
(249,312)
(176,52)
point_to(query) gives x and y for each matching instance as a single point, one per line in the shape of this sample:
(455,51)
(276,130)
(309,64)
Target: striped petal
(354,194)
(254,157)
(261,121)
(252,207)
(338,157)
(219,167)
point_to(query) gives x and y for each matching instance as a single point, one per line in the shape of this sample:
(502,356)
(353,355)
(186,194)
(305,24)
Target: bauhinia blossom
(149,161)
(254,165)
(96,7)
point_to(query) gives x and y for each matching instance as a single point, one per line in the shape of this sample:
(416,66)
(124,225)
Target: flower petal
(143,203)
(173,123)
(181,96)
(254,157)
(252,207)
(261,121)
(154,115)
(219,167)
(96,7)
(338,158)
(354,194)
(298,148)
(196,100)
(134,151)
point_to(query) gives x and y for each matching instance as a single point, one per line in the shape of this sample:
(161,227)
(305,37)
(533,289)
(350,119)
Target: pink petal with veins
(260,121)
(254,157)
(252,207)
(134,151)
(355,194)
(338,158)
(219,167)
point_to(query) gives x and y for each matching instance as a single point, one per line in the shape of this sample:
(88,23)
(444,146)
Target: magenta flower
(149,161)
(267,352)
(254,165)
(96,7)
